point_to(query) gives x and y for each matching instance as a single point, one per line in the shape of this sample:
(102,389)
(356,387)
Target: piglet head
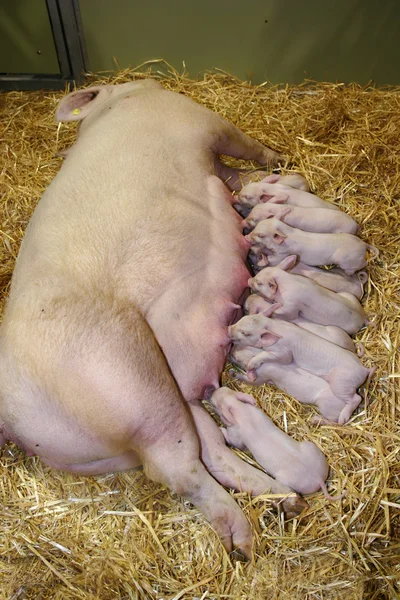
(224,400)
(265,283)
(250,329)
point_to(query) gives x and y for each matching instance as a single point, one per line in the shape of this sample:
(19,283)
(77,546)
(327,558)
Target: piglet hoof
(320,420)
(293,506)
(238,556)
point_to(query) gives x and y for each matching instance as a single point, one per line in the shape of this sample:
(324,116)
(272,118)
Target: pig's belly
(191,317)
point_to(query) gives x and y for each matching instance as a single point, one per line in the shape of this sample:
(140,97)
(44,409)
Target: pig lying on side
(293,180)
(317,220)
(264,191)
(302,297)
(116,322)
(280,240)
(302,385)
(287,343)
(301,465)
(335,279)
(255,304)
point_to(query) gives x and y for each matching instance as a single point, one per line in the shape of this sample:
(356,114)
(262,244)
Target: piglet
(300,465)
(263,191)
(302,297)
(335,279)
(294,180)
(255,304)
(302,385)
(280,240)
(317,220)
(286,343)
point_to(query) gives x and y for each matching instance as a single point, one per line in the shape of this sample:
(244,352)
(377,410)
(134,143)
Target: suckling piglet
(255,304)
(300,465)
(317,220)
(263,191)
(302,385)
(315,249)
(287,343)
(335,279)
(294,180)
(302,297)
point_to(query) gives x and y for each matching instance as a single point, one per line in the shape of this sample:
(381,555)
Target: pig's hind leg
(233,472)
(172,457)
(344,389)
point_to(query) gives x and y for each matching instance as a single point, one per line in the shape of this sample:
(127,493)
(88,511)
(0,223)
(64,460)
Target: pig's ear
(279,237)
(77,105)
(246,398)
(283,212)
(273,178)
(279,198)
(267,312)
(269,338)
(288,263)
(273,286)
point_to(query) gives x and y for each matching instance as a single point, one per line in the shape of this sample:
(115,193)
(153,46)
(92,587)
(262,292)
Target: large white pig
(126,281)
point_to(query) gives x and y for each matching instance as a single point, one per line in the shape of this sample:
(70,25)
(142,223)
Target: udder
(190,320)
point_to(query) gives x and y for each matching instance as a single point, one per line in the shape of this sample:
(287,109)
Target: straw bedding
(121,536)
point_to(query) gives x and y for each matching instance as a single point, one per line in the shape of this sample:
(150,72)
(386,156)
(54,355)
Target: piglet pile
(296,333)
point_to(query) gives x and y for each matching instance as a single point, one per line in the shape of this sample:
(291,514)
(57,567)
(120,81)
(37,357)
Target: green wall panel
(280,40)
(26,40)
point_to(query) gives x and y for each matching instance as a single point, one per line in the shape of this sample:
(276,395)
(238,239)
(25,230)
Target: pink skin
(256,304)
(124,236)
(302,297)
(280,240)
(300,464)
(256,193)
(317,220)
(334,279)
(293,180)
(287,344)
(302,385)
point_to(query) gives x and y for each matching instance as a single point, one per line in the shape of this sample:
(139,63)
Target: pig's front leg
(284,358)
(231,471)
(235,179)
(229,140)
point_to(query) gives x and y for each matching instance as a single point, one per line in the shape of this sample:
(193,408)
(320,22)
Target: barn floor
(123,537)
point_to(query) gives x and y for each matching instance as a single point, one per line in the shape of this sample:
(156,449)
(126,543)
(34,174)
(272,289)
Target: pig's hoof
(238,556)
(293,506)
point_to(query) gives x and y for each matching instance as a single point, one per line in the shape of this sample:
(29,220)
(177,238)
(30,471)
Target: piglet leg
(231,471)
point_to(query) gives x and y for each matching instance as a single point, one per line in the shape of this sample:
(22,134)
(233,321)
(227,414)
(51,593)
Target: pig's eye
(271,284)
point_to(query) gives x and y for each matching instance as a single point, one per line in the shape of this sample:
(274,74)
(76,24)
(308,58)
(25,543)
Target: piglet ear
(269,338)
(271,309)
(246,398)
(279,198)
(288,263)
(279,237)
(273,178)
(273,286)
(283,212)
(77,105)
